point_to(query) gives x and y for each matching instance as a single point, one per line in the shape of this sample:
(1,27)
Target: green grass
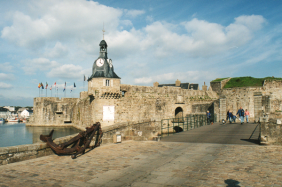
(219,79)
(247,81)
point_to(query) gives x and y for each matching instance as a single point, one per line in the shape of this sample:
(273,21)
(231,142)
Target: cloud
(16,101)
(6,67)
(56,21)
(4,76)
(41,64)
(133,13)
(58,51)
(5,86)
(201,38)
(149,18)
(190,76)
(67,71)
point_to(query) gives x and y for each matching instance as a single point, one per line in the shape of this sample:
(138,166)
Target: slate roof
(3,109)
(183,85)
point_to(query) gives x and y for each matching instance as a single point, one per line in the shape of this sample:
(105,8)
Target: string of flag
(40,85)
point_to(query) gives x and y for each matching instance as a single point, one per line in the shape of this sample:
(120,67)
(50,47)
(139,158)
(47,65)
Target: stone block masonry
(132,103)
(271,131)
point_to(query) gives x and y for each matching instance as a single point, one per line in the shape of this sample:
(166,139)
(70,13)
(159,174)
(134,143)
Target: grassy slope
(219,79)
(247,81)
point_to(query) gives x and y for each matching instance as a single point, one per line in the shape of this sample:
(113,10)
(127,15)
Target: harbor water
(12,134)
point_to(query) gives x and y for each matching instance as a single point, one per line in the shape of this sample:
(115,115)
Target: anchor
(78,144)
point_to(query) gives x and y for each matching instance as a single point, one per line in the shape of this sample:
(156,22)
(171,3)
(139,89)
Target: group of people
(231,117)
(241,113)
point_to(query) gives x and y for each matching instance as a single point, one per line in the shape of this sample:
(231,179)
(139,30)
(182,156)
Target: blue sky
(194,41)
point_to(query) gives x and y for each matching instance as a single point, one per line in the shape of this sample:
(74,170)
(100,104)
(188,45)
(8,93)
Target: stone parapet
(138,131)
(270,131)
(25,152)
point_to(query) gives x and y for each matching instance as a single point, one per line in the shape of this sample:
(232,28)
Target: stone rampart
(266,98)
(138,103)
(218,86)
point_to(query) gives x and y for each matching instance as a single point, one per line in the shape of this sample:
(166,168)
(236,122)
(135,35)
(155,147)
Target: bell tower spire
(103,31)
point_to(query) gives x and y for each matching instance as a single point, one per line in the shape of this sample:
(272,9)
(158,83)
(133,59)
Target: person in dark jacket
(241,114)
(208,117)
(230,115)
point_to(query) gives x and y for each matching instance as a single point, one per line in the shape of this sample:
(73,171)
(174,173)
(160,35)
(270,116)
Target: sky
(195,41)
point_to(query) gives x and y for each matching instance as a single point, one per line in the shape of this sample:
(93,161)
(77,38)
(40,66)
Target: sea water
(12,134)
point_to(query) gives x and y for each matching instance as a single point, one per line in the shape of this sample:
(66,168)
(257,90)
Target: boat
(2,120)
(13,120)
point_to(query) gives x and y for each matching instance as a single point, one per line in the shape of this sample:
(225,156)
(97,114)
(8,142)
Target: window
(107,82)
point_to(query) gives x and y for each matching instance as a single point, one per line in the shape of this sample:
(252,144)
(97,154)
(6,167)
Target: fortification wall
(270,92)
(139,103)
(52,110)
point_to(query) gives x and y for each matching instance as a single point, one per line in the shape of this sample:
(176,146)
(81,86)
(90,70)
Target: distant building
(10,108)
(189,86)
(20,110)
(4,112)
(26,113)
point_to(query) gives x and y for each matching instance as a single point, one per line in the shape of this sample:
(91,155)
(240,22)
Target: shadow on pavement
(251,141)
(232,183)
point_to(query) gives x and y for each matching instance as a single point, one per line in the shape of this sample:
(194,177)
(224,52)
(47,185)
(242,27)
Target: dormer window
(107,82)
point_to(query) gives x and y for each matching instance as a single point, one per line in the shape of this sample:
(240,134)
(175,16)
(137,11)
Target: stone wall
(52,110)
(138,103)
(143,131)
(218,86)
(271,131)
(267,98)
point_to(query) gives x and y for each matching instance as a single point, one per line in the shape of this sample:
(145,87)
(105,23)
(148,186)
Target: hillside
(247,81)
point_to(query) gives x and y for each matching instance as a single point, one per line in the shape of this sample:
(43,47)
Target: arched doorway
(178,112)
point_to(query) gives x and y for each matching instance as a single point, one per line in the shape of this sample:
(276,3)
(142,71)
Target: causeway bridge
(234,133)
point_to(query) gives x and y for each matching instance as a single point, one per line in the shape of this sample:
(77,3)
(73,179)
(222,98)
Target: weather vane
(103,30)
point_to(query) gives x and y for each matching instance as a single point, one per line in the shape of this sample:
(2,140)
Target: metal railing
(175,125)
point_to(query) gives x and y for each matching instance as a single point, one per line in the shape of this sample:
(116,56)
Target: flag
(55,84)
(39,85)
(74,85)
(64,89)
(65,83)
(84,78)
(51,87)
(71,91)
(42,86)
(46,85)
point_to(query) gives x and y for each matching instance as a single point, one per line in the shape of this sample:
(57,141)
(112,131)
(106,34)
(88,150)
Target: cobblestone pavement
(153,164)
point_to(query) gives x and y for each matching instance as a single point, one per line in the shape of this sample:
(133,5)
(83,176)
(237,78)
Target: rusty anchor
(77,144)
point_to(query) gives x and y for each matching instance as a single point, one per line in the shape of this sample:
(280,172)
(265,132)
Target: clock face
(100,62)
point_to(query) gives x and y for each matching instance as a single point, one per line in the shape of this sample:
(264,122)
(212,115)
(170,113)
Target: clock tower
(103,79)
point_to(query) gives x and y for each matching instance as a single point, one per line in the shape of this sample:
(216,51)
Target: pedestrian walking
(230,115)
(227,115)
(241,114)
(234,118)
(247,114)
(208,117)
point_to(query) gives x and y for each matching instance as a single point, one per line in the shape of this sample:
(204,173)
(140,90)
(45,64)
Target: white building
(26,113)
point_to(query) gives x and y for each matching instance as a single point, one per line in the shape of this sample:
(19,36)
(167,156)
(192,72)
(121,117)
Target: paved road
(234,133)
(145,164)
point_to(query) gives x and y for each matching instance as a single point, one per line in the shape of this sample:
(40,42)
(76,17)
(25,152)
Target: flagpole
(46,91)
(39,91)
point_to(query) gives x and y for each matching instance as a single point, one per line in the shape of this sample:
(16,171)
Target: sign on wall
(108,113)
